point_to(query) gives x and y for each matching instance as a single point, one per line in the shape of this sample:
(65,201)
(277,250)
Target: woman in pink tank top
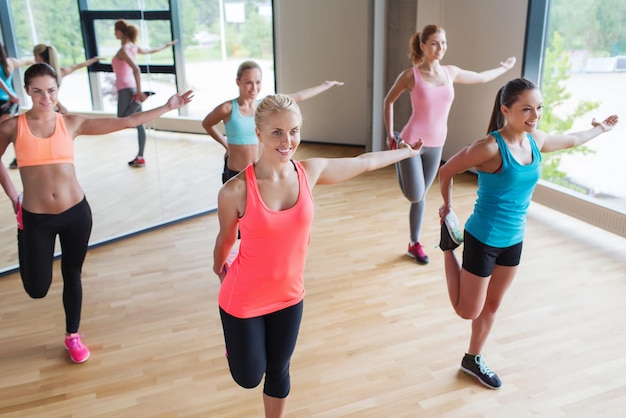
(128,80)
(431,88)
(270,202)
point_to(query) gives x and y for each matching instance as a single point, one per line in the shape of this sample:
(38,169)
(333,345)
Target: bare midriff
(51,188)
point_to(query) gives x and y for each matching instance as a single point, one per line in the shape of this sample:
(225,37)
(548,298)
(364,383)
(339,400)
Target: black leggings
(36,252)
(227,174)
(262,345)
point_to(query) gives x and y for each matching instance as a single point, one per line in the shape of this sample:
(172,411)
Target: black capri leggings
(36,252)
(262,345)
(227,174)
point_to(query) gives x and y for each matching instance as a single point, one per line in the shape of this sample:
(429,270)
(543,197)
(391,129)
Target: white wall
(318,40)
(480,34)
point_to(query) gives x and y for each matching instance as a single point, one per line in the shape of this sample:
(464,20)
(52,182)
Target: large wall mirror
(184,165)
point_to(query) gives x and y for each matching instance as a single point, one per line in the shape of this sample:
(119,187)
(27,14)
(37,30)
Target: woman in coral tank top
(271,203)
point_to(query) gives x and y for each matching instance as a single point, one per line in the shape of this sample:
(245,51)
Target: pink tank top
(268,273)
(124,78)
(431,106)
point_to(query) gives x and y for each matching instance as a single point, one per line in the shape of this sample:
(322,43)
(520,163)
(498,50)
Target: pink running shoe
(137,162)
(79,353)
(417,252)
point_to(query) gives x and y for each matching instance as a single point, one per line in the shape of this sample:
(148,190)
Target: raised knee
(466,313)
(36,293)
(248,382)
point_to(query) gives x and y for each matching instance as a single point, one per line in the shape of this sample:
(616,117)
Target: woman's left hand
(180,99)
(508,63)
(607,124)
(416,147)
(333,83)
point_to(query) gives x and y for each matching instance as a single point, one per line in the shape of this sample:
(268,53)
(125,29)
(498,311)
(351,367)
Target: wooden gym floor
(378,338)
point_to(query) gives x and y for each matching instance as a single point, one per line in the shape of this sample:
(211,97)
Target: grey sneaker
(451,233)
(476,366)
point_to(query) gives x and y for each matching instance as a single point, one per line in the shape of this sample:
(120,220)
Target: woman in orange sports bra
(53,202)
(271,203)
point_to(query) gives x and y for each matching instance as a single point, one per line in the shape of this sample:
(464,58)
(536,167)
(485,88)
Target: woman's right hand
(391,142)
(443,212)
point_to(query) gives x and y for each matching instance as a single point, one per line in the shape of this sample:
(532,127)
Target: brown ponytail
(415,51)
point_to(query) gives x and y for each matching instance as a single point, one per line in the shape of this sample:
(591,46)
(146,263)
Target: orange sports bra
(30,150)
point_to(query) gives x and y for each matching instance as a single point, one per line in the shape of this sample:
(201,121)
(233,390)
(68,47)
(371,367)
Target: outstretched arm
(81,125)
(69,70)
(335,170)
(462,76)
(562,141)
(147,51)
(314,91)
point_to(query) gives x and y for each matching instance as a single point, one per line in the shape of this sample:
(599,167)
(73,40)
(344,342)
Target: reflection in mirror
(183,172)
(183,181)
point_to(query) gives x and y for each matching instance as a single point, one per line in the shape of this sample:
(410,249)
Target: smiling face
(435,46)
(43,91)
(279,134)
(524,114)
(250,83)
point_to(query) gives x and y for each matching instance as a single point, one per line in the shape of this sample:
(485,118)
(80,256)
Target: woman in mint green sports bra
(240,139)
(508,163)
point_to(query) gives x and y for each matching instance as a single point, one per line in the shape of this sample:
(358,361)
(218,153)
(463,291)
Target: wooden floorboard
(378,338)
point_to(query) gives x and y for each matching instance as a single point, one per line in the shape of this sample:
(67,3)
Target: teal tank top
(240,129)
(499,217)
(9,82)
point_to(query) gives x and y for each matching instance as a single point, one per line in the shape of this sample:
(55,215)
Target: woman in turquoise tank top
(237,115)
(508,162)
(430,85)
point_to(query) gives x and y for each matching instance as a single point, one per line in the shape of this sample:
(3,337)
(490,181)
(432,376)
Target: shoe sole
(471,373)
(417,260)
(452,225)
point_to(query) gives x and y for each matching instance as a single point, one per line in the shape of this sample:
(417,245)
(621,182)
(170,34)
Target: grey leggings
(126,106)
(416,175)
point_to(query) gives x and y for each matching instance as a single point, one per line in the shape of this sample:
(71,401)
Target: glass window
(584,75)
(216,43)
(217,35)
(129,5)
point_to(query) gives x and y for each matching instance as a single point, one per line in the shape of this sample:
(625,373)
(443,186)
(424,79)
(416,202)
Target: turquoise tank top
(499,217)
(9,82)
(240,129)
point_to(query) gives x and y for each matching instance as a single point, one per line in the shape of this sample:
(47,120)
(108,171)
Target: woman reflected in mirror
(53,203)
(128,79)
(240,141)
